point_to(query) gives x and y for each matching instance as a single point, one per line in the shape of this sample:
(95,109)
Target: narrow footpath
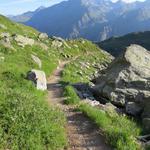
(82,133)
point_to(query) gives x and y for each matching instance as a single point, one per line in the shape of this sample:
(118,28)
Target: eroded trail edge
(82,133)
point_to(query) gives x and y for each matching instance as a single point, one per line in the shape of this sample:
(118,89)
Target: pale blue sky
(13,7)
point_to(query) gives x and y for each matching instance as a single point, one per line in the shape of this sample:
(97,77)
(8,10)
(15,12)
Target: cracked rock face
(127,79)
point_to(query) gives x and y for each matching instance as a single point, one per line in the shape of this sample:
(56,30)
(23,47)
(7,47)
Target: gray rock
(5,41)
(146,124)
(23,41)
(43,36)
(58,39)
(37,60)
(38,78)
(127,79)
(5,35)
(92,103)
(133,109)
(57,44)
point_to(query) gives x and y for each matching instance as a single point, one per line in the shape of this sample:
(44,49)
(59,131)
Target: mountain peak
(40,8)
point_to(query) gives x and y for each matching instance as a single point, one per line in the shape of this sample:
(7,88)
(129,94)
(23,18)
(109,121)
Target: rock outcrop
(38,78)
(5,40)
(59,42)
(23,41)
(43,36)
(126,82)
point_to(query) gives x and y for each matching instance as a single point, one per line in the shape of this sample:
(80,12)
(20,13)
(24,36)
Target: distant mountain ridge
(25,16)
(116,45)
(95,20)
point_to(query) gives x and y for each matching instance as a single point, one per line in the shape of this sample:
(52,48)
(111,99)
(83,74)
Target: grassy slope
(116,45)
(76,71)
(26,121)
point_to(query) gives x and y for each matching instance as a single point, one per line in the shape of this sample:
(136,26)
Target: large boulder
(127,80)
(38,78)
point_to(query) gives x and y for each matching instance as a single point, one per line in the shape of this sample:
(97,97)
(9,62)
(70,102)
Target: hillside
(95,20)
(116,45)
(26,119)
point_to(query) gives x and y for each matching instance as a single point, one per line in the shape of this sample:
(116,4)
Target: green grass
(27,122)
(16,28)
(120,131)
(76,71)
(71,96)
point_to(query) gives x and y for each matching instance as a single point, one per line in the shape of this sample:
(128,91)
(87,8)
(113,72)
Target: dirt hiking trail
(82,133)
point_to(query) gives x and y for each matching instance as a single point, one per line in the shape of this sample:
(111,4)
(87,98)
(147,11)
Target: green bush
(71,96)
(120,131)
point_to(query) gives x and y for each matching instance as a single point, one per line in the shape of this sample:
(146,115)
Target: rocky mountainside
(116,45)
(95,20)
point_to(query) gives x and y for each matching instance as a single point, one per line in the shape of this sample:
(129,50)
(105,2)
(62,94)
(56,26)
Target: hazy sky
(12,7)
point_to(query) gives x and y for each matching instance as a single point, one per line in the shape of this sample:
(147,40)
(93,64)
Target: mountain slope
(95,20)
(73,19)
(116,45)
(26,119)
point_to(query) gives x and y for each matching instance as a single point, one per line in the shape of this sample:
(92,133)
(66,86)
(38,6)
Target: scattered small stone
(37,60)
(57,44)
(43,36)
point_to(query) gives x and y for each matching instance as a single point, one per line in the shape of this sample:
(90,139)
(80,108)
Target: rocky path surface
(82,133)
